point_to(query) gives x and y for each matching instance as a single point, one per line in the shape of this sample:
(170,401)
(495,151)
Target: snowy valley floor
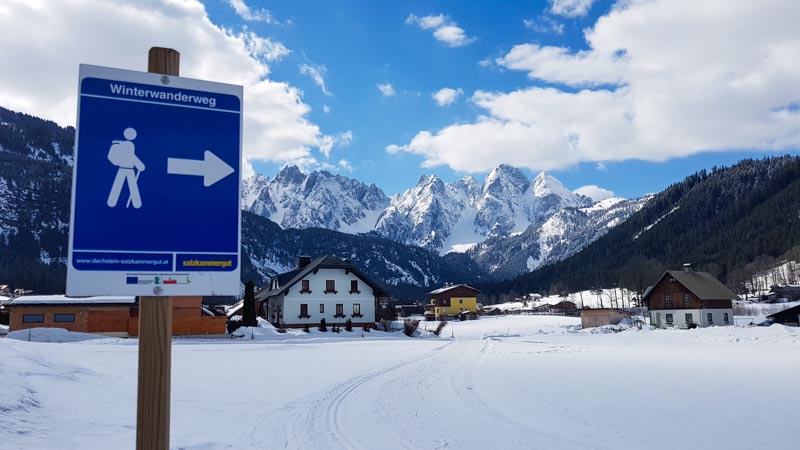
(519,382)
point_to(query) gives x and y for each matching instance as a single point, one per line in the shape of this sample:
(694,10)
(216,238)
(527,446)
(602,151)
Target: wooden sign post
(155,329)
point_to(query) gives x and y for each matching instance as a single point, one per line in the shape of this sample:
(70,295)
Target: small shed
(409,310)
(789,317)
(591,318)
(564,307)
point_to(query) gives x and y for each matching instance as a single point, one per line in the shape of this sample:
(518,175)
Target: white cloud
(570,8)
(601,166)
(40,63)
(445,29)
(342,139)
(559,65)
(249,14)
(317,73)
(387,90)
(446,96)
(264,49)
(544,24)
(326,109)
(655,84)
(346,165)
(428,22)
(594,192)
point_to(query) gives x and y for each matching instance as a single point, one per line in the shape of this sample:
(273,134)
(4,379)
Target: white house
(324,288)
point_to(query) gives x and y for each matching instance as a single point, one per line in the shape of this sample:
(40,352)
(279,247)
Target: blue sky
(362,44)
(630,96)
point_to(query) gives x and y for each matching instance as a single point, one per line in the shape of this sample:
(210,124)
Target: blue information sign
(156,186)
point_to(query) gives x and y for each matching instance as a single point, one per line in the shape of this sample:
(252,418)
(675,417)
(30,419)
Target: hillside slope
(718,221)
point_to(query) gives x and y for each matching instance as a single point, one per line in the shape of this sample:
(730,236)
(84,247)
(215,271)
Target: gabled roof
(701,284)
(289,279)
(792,310)
(452,286)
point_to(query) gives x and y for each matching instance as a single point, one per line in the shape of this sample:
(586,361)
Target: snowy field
(518,382)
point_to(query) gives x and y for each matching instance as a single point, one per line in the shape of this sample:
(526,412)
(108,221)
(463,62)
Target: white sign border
(89,283)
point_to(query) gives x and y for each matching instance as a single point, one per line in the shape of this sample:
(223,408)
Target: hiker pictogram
(123,155)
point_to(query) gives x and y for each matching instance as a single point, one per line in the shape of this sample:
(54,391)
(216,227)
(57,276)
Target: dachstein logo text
(121,89)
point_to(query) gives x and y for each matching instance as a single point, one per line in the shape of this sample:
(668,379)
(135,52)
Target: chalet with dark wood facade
(686,299)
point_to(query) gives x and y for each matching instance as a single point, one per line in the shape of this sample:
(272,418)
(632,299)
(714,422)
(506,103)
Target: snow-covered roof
(64,300)
(452,286)
(234,309)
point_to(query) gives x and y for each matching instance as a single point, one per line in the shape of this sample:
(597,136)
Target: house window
(687,299)
(354,287)
(667,300)
(689,318)
(725,317)
(64,318)
(305,287)
(322,308)
(32,318)
(339,310)
(710,318)
(304,311)
(330,286)
(357,310)
(669,319)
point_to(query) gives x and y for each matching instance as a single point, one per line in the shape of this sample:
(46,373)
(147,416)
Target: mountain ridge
(442,217)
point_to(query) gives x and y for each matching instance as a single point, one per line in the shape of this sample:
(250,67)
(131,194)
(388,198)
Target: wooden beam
(155,329)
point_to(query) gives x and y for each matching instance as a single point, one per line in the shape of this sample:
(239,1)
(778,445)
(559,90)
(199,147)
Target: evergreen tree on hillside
(249,307)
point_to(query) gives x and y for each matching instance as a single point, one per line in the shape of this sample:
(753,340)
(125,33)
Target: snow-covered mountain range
(509,223)
(317,200)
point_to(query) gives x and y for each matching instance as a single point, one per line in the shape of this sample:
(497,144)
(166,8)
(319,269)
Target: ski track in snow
(323,412)
(361,412)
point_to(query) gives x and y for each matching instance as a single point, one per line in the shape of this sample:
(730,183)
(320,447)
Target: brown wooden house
(686,299)
(108,315)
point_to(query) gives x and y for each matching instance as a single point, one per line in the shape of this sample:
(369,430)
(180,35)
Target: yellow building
(451,301)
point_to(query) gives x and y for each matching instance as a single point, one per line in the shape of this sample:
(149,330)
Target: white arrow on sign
(212,169)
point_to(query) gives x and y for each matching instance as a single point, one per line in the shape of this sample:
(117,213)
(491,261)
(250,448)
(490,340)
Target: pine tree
(249,307)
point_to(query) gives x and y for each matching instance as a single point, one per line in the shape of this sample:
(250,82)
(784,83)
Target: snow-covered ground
(512,382)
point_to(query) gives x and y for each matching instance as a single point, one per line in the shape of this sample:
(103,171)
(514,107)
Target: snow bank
(53,335)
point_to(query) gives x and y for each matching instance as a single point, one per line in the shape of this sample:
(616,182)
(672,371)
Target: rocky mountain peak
(505,179)
(290,175)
